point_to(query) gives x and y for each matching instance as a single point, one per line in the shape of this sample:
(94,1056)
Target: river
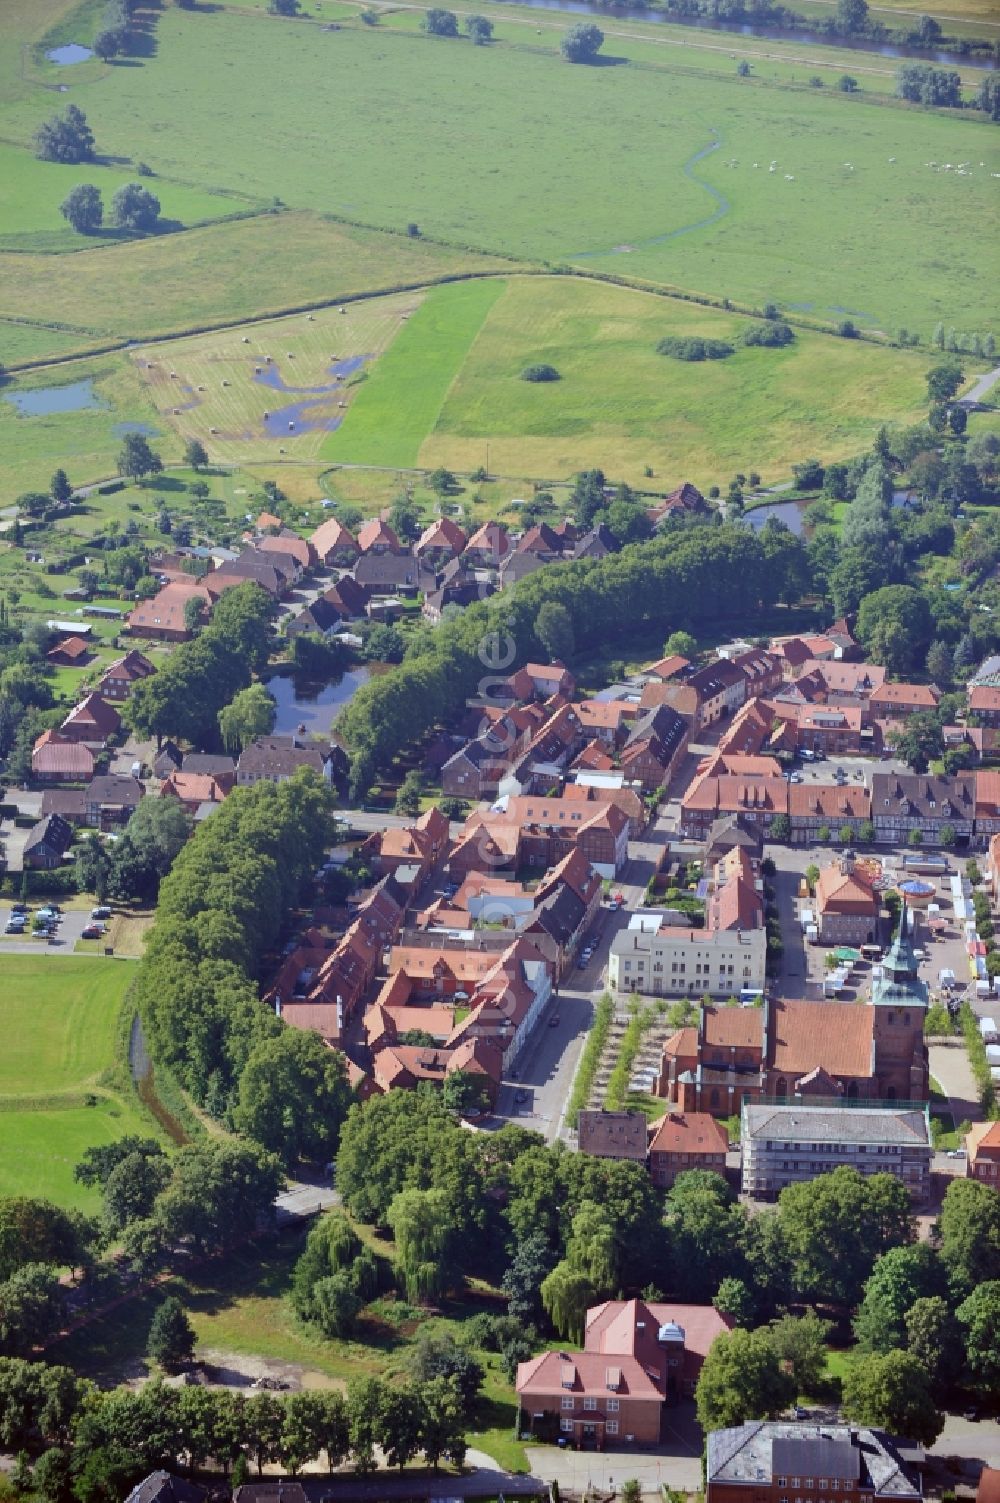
(804,34)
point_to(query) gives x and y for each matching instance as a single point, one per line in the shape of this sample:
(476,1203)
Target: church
(871,1050)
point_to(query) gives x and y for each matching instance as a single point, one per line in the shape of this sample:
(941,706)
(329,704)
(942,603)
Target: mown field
(514,151)
(393,412)
(618,404)
(216,377)
(59,1020)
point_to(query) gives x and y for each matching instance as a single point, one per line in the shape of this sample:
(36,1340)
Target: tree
(533,1258)
(743,68)
(195,454)
(781,828)
(969,1235)
(934,1337)
(852,17)
(334,1305)
(410,793)
(895,625)
(83,209)
(958,420)
(136,459)
(707,1233)
(465,1092)
(680,644)
(65,138)
(36,1231)
(892,1391)
(440,23)
(979,1317)
(479,30)
(93,867)
(919,740)
(439,1355)
(171,1336)
(943,380)
(294,1096)
(147,849)
(567,1294)
(735,1299)
(742,1379)
(800,1342)
(218,1191)
(939,663)
(423,1229)
(847,84)
(31,1308)
(131,1188)
(554,630)
(249,714)
(442,1422)
(108,43)
(135,209)
(835,1226)
(581,43)
(899,1278)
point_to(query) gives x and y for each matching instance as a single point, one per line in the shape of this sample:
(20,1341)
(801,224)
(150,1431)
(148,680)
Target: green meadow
(393,412)
(60,1021)
(618,405)
(513,151)
(31,192)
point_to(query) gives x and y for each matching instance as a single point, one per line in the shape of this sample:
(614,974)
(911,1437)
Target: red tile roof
(807,1034)
(688,1132)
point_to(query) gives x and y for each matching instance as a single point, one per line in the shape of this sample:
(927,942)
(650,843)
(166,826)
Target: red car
(92,931)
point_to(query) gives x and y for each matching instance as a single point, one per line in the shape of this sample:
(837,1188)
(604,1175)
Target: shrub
(774,333)
(540,373)
(691,347)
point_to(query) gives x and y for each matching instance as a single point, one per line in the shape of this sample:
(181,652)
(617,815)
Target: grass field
(59,1018)
(31,192)
(393,413)
(619,405)
(229,419)
(514,151)
(84,442)
(174,283)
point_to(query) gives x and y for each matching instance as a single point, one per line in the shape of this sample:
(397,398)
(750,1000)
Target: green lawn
(393,412)
(511,150)
(59,1020)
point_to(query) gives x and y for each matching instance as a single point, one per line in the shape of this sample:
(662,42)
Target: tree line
(222,909)
(77,1442)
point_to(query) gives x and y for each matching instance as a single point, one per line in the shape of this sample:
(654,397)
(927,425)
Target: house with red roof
(93,721)
(71,652)
(846,904)
(488,546)
(685,1140)
(120,676)
(376,536)
(57,758)
(334,545)
(983,1153)
(441,541)
(638,1360)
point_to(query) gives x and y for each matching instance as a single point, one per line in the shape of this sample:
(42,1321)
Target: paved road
(950,1067)
(985,384)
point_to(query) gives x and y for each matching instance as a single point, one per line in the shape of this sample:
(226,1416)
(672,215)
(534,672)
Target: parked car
(521,1096)
(92,931)
(554,1020)
(19,907)
(101,912)
(12,928)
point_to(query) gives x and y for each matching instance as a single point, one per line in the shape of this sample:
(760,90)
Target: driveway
(676,1463)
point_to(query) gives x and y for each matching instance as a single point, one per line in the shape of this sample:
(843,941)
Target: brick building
(777,1461)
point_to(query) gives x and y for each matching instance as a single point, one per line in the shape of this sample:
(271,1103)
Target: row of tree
(78,1442)
(133,209)
(222,908)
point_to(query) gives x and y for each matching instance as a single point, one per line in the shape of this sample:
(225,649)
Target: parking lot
(69,929)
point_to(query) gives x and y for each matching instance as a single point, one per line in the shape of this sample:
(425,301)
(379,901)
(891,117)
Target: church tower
(899,1001)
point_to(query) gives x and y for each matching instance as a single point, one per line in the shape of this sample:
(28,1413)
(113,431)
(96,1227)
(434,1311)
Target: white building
(785,1144)
(676,962)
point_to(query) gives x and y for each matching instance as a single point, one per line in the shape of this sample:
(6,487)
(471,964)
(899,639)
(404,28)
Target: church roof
(900,984)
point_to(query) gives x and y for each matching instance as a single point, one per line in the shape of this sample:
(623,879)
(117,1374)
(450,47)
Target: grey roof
(212,763)
(831,1124)
(899,984)
(755,1453)
(53,832)
(164,1487)
(111,788)
(560,913)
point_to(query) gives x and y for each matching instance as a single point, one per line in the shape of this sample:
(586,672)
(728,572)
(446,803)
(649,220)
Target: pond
(311,703)
(746,29)
(71,53)
(789,512)
(314,411)
(45,400)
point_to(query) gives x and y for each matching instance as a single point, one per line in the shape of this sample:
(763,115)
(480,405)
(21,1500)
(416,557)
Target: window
(611,1428)
(567,1403)
(782,1481)
(822,1482)
(566,1424)
(590,1404)
(612,1406)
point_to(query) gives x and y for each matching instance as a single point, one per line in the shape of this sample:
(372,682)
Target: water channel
(803,34)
